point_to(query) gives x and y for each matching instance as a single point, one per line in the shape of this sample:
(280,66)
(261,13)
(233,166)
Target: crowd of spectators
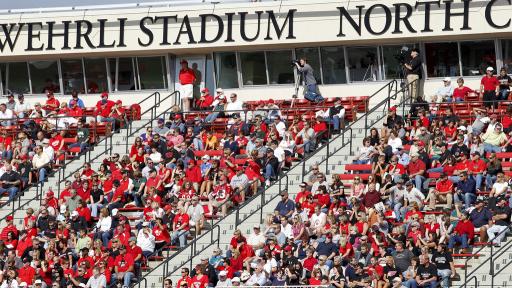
(178,172)
(431,188)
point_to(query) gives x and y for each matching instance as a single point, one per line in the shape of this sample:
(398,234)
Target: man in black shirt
(337,116)
(460,148)
(288,258)
(500,221)
(392,121)
(426,276)
(444,263)
(505,82)
(413,70)
(29,252)
(10,182)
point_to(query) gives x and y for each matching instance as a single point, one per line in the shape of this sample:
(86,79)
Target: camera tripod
(368,75)
(296,87)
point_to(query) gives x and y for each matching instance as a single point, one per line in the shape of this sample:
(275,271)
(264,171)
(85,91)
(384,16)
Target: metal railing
(495,253)
(392,93)
(283,186)
(391,86)
(107,141)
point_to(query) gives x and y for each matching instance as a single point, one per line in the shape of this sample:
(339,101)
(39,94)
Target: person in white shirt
(278,151)
(40,162)
(224,281)
(318,220)
(240,182)
(286,227)
(103,226)
(258,278)
(196,213)
(279,125)
(146,240)
(47,149)
(256,239)
(234,106)
(21,108)
(6,115)
(394,141)
(446,91)
(98,280)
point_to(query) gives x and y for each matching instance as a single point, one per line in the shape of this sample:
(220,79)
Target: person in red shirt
(117,200)
(57,142)
(153,181)
(185,278)
(219,196)
(26,273)
(200,280)
(135,251)
(310,260)
(460,93)
(193,173)
(187,79)
(124,267)
(303,194)
(416,169)
(180,226)
(443,191)
(161,234)
(9,228)
(205,101)
(489,88)
(463,233)
(52,104)
(104,107)
(74,110)
(477,167)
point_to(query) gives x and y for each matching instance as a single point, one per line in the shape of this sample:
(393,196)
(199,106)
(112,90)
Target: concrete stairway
(339,153)
(116,144)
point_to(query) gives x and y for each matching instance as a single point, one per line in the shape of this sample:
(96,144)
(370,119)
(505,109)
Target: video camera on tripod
(403,55)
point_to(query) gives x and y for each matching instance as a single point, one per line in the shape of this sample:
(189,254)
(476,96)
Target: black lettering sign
(219,26)
(146,31)
(7,35)
(488,16)
(31,35)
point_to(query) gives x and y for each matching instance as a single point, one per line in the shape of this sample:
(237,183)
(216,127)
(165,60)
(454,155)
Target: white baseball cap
(489,69)
(447,79)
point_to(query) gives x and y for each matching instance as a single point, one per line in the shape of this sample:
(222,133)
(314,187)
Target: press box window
(225,70)
(279,67)
(253,68)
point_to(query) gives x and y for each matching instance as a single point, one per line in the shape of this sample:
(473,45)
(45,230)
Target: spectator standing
(489,88)
(504,85)
(186,78)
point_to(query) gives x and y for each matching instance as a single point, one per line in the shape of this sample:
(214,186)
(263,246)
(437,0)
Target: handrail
(260,209)
(129,128)
(61,170)
(350,127)
(489,259)
(216,226)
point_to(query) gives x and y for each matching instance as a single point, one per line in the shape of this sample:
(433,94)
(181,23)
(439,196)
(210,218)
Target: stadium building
(246,47)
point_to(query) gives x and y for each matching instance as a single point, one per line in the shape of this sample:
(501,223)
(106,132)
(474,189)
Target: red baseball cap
(9,218)
(104,94)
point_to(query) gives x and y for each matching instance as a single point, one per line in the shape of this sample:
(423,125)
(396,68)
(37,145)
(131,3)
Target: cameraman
(309,80)
(413,71)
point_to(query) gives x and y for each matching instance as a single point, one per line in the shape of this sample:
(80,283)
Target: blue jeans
(418,180)
(454,179)
(12,192)
(479,178)
(127,278)
(411,283)
(468,198)
(397,208)
(445,277)
(269,172)
(198,144)
(491,148)
(335,121)
(82,146)
(211,117)
(489,181)
(42,175)
(181,236)
(462,239)
(95,208)
(503,95)
(434,170)
(432,284)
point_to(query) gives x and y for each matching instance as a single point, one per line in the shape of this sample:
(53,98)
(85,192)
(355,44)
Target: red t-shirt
(52,101)
(489,83)
(221,192)
(187,76)
(56,141)
(302,197)
(450,131)
(161,234)
(123,262)
(199,283)
(477,166)
(415,167)
(461,93)
(181,219)
(26,274)
(309,263)
(444,186)
(134,251)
